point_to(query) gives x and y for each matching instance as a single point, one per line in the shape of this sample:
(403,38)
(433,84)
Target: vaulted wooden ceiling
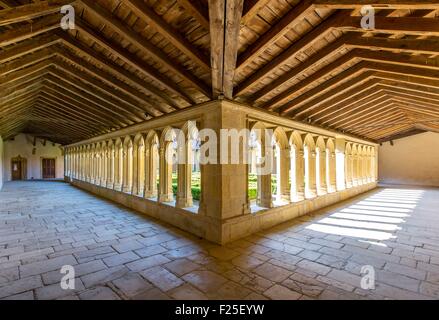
(129,61)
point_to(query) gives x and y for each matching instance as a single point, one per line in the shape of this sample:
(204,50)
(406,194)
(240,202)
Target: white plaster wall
(1,163)
(22,146)
(412,161)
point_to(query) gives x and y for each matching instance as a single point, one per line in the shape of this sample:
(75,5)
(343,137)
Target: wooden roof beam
(378,4)
(115,69)
(31,11)
(172,35)
(198,10)
(132,60)
(28,46)
(225,18)
(144,45)
(28,31)
(251,9)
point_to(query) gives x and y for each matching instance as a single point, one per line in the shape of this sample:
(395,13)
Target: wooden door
(48,168)
(16,171)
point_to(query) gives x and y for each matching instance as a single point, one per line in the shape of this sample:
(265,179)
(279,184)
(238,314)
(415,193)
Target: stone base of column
(110,185)
(148,194)
(117,187)
(166,197)
(266,203)
(184,202)
(127,189)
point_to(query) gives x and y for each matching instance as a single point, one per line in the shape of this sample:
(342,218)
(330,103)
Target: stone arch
(281,165)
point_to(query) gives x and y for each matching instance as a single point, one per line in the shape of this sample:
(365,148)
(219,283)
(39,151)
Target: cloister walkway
(120,254)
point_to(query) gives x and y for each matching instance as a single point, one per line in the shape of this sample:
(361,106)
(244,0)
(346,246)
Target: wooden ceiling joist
(31,11)
(130,61)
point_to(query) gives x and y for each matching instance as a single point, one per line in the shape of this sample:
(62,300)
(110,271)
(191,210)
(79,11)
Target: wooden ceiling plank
(251,9)
(276,31)
(115,69)
(31,11)
(144,45)
(28,46)
(146,101)
(378,4)
(132,60)
(156,22)
(198,10)
(25,32)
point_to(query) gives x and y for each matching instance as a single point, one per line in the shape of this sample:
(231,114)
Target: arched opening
(280,168)
(168,172)
(110,164)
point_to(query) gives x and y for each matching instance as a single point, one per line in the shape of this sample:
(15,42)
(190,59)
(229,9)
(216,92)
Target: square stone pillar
(224,186)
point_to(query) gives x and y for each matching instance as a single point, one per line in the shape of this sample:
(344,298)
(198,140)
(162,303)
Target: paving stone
(20,286)
(206,281)
(147,263)
(132,284)
(103,276)
(119,259)
(55,291)
(152,294)
(278,292)
(80,270)
(150,251)
(187,292)
(162,278)
(46,265)
(99,293)
(407,271)
(315,267)
(181,266)
(272,272)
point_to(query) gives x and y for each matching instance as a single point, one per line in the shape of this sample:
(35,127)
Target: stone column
(340,164)
(264,170)
(285,173)
(136,169)
(165,186)
(310,162)
(117,168)
(184,190)
(332,171)
(322,186)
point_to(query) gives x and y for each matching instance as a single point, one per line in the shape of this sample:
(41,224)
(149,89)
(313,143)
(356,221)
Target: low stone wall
(236,228)
(230,229)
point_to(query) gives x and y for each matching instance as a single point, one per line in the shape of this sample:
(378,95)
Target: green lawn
(196,185)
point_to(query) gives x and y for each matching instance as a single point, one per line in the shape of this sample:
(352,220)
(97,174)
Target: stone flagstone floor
(119,254)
